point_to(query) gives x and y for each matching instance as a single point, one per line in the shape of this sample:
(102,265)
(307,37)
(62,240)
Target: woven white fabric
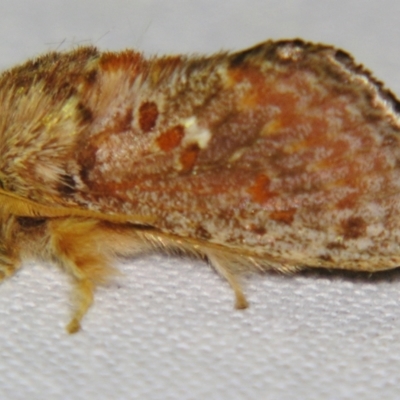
(169,330)
(166,329)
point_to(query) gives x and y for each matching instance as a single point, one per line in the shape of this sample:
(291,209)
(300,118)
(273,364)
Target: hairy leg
(10,260)
(83,248)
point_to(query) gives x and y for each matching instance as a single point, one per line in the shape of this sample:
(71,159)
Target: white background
(167,329)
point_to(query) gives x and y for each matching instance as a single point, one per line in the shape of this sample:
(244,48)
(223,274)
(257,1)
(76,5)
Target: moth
(279,157)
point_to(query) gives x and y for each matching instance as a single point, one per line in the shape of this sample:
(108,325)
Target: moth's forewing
(287,149)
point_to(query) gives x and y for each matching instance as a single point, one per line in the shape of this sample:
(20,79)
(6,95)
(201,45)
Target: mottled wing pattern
(284,147)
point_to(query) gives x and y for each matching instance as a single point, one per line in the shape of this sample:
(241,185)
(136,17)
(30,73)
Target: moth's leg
(83,297)
(10,260)
(227,264)
(222,267)
(80,247)
(8,266)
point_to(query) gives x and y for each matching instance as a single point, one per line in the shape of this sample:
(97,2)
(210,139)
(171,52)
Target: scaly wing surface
(282,147)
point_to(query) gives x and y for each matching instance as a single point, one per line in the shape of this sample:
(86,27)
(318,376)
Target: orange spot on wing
(284,216)
(353,227)
(260,191)
(171,138)
(349,201)
(189,156)
(148,114)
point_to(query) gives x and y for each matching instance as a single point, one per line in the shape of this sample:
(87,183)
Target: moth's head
(42,114)
(37,137)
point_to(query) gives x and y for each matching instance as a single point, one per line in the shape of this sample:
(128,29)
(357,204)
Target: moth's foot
(240,299)
(73,326)
(222,266)
(83,298)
